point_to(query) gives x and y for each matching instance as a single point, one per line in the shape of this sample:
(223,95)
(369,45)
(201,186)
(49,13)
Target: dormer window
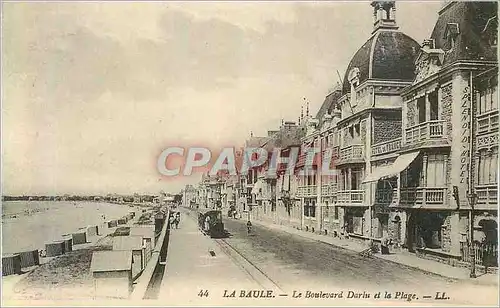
(490,31)
(451,33)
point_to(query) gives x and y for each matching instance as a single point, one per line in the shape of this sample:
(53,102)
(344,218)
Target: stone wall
(446,231)
(446,102)
(411,112)
(386,130)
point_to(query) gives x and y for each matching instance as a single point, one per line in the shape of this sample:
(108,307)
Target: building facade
(413,135)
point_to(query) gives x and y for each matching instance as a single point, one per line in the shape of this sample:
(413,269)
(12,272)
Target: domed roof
(387,55)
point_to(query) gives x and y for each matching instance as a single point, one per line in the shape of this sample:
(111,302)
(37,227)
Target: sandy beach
(67,276)
(48,220)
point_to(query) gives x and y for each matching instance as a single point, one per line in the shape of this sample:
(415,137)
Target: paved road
(297,263)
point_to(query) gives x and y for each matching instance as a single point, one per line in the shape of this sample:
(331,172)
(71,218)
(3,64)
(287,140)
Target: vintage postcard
(330,153)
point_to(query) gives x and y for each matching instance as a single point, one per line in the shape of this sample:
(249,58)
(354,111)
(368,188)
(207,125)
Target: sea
(28,225)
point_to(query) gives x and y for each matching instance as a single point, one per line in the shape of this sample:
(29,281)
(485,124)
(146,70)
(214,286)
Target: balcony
(487,122)
(306,191)
(328,190)
(386,147)
(427,133)
(487,196)
(351,197)
(351,154)
(424,196)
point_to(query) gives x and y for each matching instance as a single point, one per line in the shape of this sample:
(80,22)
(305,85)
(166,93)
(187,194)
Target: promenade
(196,263)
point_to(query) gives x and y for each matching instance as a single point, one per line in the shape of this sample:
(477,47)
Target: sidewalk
(403,258)
(195,263)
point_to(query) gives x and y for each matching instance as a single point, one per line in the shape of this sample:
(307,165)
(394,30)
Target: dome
(387,55)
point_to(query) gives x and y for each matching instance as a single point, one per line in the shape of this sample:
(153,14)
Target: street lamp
(472,255)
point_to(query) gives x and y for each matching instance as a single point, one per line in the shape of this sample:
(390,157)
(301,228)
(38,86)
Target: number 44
(203,293)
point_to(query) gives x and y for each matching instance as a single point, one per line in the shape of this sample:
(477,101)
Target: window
(436,170)
(336,213)
(487,98)
(433,106)
(312,209)
(488,167)
(421,109)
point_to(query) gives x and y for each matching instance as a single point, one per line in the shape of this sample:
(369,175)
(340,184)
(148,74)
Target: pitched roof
(111,260)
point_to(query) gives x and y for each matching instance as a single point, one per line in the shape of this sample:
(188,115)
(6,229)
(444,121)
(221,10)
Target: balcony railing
(424,196)
(487,122)
(487,196)
(386,147)
(351,196)
(351,153)
(328,190)
(306,191)
(426,131)
(386,196)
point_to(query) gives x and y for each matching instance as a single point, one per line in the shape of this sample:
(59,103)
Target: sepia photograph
(249,153)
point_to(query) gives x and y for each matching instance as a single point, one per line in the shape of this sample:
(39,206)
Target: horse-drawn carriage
(211,222)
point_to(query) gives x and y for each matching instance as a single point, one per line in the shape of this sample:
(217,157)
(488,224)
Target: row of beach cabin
(14,263)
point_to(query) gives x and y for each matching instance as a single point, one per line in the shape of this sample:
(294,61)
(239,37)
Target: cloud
(94,91)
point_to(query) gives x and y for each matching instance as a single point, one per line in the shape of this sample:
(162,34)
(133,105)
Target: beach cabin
(91,231)
(11,264)
(102,229)
(68,242)
(112,273)
(54,249)
(29,258)
(122,221)
(79,237)
(148,239)
(133,244)
(112,223)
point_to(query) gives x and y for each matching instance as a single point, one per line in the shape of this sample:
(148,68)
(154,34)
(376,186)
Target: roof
(127,242)
(111,260)
(387,55)
(467,21)
(328,105)
(146,231)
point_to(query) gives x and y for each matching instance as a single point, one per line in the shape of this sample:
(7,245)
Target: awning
(400,164)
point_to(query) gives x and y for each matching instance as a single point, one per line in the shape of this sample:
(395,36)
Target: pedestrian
(178,216)
(176,222)
(249,227)
(172,221)
(207,224)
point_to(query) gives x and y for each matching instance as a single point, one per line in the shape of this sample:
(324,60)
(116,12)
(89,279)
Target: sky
(93,92)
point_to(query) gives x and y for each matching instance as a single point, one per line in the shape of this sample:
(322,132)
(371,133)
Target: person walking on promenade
(172,221)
